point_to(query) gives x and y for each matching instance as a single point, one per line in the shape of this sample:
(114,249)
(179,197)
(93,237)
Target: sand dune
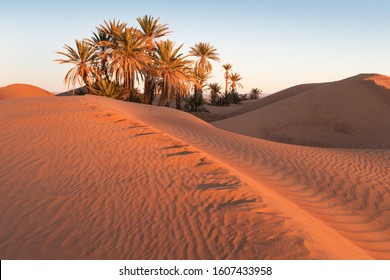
(80,180)
(217,113)
(220,113)
(351,113)
(22,91)
(94,178)
(340,197)
(76,91)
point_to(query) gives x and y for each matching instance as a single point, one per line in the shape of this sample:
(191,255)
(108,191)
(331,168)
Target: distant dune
(351,113)
(220,113)
(22,91)
(76,91)
(86,177)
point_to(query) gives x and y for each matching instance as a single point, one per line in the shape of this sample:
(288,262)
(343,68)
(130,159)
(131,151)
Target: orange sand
(22,91)
(351,113)
(88,177)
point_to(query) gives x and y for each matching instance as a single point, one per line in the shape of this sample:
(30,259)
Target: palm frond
(234,80)
(84,57)
(204,52)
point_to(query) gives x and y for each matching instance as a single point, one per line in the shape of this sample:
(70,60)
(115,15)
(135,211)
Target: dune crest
(22,91)
(351,113)
(380,80)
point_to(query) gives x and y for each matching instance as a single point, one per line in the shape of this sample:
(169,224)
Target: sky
(273,44)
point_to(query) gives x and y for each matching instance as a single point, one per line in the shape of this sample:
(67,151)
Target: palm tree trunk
(171,96)
(87,87)
(198,92)
(198,97)
(153,87)
(168,95)
(164,96)
(226,84)
(234,87)
(130,85)
(149,90)
(178,100)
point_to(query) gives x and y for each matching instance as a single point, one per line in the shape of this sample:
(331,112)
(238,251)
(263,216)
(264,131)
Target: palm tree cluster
(118,58)
(229,96)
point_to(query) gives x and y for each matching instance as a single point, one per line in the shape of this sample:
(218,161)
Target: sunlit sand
(88,177)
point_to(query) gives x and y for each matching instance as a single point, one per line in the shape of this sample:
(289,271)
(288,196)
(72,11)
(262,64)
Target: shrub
(137,96)
(224,100)
(254,93)
(244,96)
(194,103)
(214,98)
(228,98)
(107,88)
(235,97)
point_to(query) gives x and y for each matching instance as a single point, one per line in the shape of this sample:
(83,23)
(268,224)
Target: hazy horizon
(272,44)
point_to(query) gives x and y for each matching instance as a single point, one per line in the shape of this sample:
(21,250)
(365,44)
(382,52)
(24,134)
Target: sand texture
(86,177)
(22,91)
(351,113)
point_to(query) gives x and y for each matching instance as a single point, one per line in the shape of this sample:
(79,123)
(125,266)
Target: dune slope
(217,113)
(22,91)
(339,197)
(350,113)
(107,179)
(79,180)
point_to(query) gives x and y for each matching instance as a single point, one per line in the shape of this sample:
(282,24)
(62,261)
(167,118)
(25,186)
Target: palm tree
(172,67)
(128,58)
(204,52)
(151,30)
(98,40)
(84,59)
(234,81)
(215,89)
(105,40)
(227,68)
(111,29)
(199,78)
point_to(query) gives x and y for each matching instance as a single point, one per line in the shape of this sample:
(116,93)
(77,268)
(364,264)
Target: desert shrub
(214,98)
(244,96)
(223,100)
(235,97)
(137,98)
(254,93)
(228,98)
(194,103)
(107,88)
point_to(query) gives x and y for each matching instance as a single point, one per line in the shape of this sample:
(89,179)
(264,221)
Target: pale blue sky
(272,44)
